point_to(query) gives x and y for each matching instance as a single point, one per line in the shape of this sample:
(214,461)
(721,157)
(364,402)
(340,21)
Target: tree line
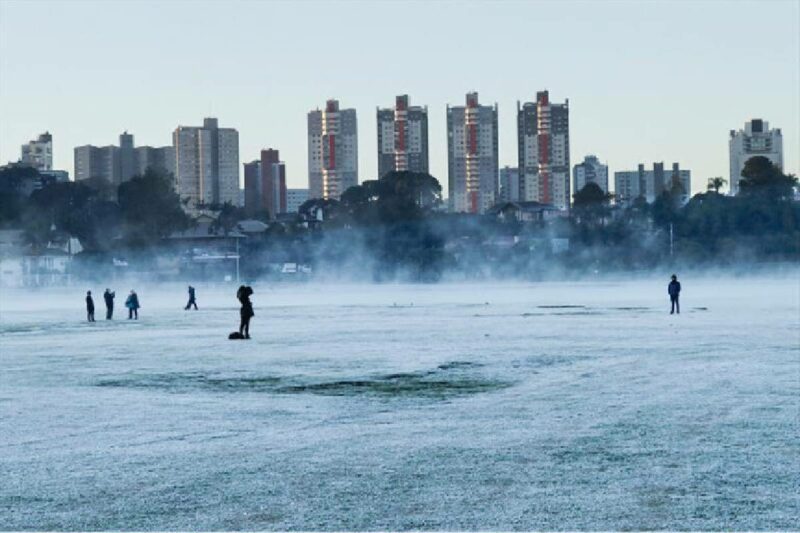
(395,222)
(136,214)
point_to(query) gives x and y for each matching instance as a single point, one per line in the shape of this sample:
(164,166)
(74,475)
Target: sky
(646,80)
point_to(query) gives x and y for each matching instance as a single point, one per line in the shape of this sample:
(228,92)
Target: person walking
(246,312)
(674,290)
(108,296)
(89,307)
(192,301)
(132,303)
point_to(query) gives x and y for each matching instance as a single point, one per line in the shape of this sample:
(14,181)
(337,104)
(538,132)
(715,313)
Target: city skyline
(616,112)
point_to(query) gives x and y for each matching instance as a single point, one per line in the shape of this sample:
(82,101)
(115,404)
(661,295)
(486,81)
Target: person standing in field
(108,296)
(246,312)
(89,307)
(674,290)
(192,301)
(132,303)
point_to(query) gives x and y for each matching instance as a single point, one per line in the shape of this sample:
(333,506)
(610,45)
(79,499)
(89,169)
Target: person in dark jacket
(108,296)
(246,312)
(674,290)
(192,301)
(132,303)
(89,307)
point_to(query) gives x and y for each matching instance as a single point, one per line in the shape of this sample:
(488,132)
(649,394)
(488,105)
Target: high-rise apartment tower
(402,138)
(543,143)
(207,163)
(332,151)
(472,156)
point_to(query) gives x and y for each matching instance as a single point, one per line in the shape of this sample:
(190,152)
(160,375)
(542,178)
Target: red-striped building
(543,135)
(332,151)
(472,156)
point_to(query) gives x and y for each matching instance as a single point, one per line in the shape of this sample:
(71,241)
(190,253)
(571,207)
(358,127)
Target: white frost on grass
(577,405)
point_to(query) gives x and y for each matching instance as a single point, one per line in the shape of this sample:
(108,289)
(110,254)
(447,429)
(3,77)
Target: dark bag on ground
(235,336)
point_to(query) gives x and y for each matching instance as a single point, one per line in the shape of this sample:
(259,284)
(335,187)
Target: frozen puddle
(446,380)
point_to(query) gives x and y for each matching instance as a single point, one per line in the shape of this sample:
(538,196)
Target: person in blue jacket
(132,303)
(674,290)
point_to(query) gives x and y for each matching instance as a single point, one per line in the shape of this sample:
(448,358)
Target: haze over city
(646,81)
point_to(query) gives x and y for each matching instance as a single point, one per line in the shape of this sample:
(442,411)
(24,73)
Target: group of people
(246,312)
(132,303)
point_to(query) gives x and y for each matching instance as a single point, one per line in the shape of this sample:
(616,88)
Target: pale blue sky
(647,81)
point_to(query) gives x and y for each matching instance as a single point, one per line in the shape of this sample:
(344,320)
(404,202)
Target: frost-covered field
(485,406)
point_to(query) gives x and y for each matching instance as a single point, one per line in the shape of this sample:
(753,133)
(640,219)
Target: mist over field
(487,405)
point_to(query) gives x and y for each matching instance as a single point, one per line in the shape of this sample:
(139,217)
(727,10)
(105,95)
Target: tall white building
(755,139)
(649,184)
(38,153)
(543,137)
(207,163)
(332,151)
(472,156)
(590,171)
(402,138)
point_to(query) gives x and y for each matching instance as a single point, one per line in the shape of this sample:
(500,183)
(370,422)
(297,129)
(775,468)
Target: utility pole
(670,240)
(237,260)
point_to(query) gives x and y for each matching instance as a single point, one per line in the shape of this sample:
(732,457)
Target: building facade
(161,159)
(207,164)
(509,184)
(295,198)
(332,151)
(755,139)
(38,153)
(402,138)
(590,171)
(252,187)
(472,156)
(649,184)
(97,162)
(273,178)
(543,144)
(265,184)
(117,164)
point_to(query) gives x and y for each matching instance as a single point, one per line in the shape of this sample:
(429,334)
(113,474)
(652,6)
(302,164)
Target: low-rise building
(295,198)
(509,184)
(591,170)
(650,184)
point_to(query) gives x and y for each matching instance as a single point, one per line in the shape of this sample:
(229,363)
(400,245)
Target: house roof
(204,229)
(529,207)
(251,226)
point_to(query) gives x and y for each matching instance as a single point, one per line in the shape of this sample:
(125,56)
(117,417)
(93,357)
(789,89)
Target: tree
(591,195)
(228,216)
(60,208)
(318,209)
(399,196)
(12,195)
(665,209)
(590,205)
(103,188)
(762,178)
(716,183)
(150,208)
